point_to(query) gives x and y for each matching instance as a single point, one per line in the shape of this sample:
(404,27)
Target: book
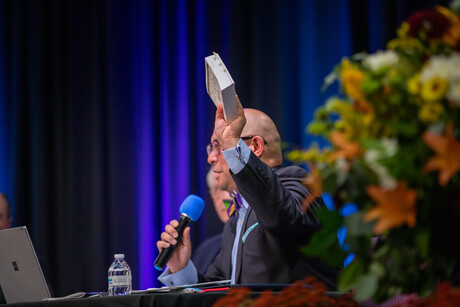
(220,86)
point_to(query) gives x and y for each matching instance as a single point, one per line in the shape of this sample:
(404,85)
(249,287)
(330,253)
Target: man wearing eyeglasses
(261,240)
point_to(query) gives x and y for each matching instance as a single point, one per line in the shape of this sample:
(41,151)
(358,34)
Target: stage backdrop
(104,116)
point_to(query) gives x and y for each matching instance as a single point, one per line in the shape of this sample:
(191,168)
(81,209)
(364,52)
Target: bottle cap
(119,256)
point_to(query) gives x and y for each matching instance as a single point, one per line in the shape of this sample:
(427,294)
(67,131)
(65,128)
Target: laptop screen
(21,277)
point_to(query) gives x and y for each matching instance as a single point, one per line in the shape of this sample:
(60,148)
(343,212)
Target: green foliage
(324,243)
(349,276)
(366,286)
(394,131)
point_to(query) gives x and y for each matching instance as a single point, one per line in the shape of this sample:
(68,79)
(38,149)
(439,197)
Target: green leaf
(321,114)
(377,269)
(365,287)
(423,241)
(381,251)
(356,226)
(317,128)
(320,242)
(349,275)
(395,98)
(329,176)
(372,144)
(324,243)
(407,129)
(370,85)
(329,218)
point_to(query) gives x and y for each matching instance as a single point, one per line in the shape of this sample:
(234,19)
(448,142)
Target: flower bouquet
(394,131)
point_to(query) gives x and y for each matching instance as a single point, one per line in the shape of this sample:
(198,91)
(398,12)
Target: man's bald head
(260,124)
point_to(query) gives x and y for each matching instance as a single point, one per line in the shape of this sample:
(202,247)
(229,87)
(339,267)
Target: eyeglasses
(244,138)
(213,147)
(216,148)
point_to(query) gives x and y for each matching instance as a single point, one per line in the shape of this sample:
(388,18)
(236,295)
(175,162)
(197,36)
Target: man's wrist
(230,143)
(237,157)
(177,268)
(186,276)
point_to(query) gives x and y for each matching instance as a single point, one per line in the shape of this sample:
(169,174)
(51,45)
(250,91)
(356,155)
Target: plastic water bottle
(120,279)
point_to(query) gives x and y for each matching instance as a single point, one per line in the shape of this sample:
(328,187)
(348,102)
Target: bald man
(260,243)
(5,215)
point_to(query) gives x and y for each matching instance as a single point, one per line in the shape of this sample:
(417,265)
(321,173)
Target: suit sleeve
(277,200)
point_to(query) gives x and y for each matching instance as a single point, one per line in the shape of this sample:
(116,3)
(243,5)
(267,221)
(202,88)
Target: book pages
(220,86)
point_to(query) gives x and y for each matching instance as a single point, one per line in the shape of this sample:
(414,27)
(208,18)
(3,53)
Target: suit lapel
(239,254)
(227,255)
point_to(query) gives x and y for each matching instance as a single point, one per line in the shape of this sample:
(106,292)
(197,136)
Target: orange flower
(366,108)
(363,106)
(394,207)
(348,150)
(447,159)
(314,183)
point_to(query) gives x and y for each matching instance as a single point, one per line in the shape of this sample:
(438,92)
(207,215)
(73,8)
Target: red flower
(429,22)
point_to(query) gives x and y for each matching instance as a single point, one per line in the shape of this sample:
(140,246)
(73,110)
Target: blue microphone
(190,211)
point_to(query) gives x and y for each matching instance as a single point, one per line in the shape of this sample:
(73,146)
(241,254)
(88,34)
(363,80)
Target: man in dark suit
(207,251)
(260,243)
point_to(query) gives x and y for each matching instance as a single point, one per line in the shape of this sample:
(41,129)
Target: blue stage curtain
(5,179)
(104,115)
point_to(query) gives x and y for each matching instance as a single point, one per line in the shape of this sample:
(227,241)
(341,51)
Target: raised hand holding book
(220,86)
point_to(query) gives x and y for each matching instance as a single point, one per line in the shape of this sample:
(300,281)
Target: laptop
(21,276)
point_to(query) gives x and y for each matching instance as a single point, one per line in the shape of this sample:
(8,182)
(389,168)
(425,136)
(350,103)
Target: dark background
(104,115)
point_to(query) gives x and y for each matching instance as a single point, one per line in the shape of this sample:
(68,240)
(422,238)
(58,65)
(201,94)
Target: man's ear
(258,144)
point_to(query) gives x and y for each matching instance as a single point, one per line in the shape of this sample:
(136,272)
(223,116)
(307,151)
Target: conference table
(182,296)
(135,300)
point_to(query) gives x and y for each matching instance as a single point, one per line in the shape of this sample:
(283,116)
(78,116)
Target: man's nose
(212,158)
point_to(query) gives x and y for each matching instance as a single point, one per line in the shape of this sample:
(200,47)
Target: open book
(220,85)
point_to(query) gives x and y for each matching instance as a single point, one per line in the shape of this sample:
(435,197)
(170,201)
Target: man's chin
(222,186)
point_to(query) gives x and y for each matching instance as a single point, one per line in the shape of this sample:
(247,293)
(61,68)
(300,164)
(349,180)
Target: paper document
(204,285)
(220,85)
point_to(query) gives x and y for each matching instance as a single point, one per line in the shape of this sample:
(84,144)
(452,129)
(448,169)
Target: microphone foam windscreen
(192,206)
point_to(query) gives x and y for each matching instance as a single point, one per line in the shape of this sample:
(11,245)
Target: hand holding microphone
(190,210)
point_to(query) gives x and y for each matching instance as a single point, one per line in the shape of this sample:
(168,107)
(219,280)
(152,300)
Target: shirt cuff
(237,157)
(186,276)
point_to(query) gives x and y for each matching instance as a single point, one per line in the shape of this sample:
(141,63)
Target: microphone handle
(166,253)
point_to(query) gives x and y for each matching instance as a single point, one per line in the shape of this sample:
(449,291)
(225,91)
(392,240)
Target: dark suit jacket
(206,252)
(270,251)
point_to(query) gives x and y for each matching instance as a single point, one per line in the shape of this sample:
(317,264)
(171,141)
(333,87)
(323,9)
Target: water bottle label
(122,280)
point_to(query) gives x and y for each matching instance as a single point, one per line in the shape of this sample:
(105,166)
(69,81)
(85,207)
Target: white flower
(372,156)
(437,66)
(453,93)
(381,59)
(447,68)
(341,165)
(390,146)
